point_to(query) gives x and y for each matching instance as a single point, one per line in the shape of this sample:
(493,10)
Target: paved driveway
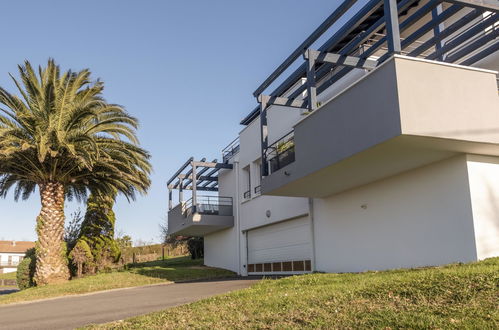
(77,311)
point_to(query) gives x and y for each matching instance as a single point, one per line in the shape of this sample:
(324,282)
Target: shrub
(26,270)
(81,257)
(196,247)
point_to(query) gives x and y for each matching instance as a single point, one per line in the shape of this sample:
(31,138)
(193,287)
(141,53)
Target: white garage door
(284,247)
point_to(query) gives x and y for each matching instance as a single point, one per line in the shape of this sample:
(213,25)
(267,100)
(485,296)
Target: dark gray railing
(211,205)
(229,151)
(281,153)
(258,190)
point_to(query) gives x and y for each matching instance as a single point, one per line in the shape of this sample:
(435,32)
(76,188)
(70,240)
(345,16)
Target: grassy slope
(171,270)
(455,296)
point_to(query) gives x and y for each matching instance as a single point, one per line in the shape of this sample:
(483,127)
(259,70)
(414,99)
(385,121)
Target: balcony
(281,153)
(209,214)
(201,214)
(9,264)
(231,150)
(405,114)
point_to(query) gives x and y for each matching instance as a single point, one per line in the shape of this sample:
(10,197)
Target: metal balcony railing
(229,151)
(258,190)
(281,153)
(9,263)
(247,194)
(211,205)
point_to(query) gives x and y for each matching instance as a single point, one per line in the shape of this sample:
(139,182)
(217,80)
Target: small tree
(26,270)
(97,230)
(81,257)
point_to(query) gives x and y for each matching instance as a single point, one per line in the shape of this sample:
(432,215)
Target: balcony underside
(210,218)
(392,157)
(200,224)
(405,114)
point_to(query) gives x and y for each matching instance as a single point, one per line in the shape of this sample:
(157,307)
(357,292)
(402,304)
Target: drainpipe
(312,231)
(238,217)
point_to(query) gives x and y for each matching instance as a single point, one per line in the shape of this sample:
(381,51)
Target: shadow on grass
(180,269)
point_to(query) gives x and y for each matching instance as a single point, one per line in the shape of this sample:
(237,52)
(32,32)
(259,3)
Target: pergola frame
(338,53)
(195,176)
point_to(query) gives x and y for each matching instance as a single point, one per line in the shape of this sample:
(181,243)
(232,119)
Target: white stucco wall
(484,187)
(220,248)
(419,218)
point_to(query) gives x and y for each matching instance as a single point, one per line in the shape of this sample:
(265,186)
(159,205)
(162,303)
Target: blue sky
(186,69)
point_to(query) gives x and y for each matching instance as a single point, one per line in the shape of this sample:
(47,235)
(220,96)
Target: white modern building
(11,254)
(381,150)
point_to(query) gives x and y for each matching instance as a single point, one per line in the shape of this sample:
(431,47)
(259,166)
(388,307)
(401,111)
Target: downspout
(238,218)
(312,231)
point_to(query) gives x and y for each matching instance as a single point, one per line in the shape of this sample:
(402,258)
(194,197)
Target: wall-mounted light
(268,213)
(363,206)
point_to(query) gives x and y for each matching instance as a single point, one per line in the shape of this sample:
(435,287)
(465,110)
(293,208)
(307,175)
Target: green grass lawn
(170,270)
(455,296)
(8,276)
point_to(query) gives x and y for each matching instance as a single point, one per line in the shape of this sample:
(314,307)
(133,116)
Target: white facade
(431,202)
(444,212)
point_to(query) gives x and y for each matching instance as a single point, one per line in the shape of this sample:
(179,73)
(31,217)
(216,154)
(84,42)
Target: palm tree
(61,136)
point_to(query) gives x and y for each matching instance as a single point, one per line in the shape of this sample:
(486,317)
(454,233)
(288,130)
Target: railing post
(194,188)
(180,190)
(392,26)
(263,99)
(170,201)
(438,29)
(311,87)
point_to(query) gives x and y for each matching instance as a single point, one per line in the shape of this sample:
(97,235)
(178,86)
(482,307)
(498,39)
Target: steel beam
(480,27)
(202,188)
(343,60)
(194,188)
(284,101)
(438,28)
(212,165)
(479,4)
(342,8)
(180,170)
(473,46)
(482,54)
(311,88)
(205,178)
(454,27)
(361,39)
(367,10)
(392,27)
(170,199)
(204,169)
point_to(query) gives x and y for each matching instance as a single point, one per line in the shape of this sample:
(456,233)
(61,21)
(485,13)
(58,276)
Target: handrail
(230,150)
(206,204)
(281,153)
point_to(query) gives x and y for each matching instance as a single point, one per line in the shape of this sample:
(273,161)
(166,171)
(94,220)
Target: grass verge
(155,272)
(454,296)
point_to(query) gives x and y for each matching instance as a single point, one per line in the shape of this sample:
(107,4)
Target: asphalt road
(76,311)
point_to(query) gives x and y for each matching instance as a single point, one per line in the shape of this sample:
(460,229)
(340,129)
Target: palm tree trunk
(51,261)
